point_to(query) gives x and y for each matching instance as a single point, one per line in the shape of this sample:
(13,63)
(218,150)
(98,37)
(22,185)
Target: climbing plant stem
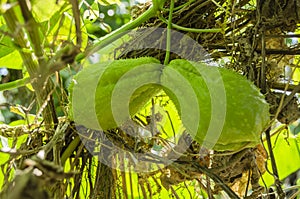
(168,47)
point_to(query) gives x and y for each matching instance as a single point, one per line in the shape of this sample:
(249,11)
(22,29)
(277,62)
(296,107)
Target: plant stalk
(33,63)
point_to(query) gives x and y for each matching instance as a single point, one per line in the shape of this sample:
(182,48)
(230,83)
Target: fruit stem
(168,45)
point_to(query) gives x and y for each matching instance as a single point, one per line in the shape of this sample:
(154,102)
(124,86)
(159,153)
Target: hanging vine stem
(169,28)
(263,84)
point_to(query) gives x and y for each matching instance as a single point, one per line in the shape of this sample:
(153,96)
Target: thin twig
(198,168)
(282,86)
(263,63)
(209,193)
(174,193)
(58,137)
(248,183)
(291,96)
(217,180)
(274,167)
(263,87)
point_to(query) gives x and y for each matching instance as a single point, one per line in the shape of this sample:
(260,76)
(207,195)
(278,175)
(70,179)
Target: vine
(169,28)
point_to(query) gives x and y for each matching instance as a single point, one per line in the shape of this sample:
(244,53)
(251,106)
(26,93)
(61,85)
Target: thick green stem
(32,65)
(19,39)
(104,41)
(15,84)
(32,29)
(169,28)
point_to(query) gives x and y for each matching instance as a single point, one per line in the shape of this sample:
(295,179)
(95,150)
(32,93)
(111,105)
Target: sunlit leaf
(6,46)
(285,149)
(13,60)
(64,30)
(170,124)
(296,75)
(44,10)
(29,86)
(17,123)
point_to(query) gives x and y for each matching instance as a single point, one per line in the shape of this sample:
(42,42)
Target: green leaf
(170,124)
(63,29)
(6,46)
(13,61)
(9,57)
(287,156)
(44,10)
(126,85)
(82,97)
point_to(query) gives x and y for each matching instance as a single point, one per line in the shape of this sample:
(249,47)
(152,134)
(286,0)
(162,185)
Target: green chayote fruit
(219,108)
(82,96)
(92,91)
(233,112)
(124,88)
